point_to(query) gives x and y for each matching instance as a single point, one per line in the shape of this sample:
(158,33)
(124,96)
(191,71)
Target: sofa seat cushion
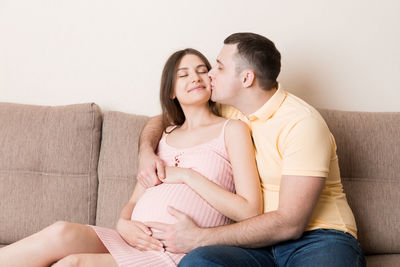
(384,260)
(48,166)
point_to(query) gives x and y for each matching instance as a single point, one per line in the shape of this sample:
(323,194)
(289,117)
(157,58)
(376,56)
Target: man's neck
(252,99)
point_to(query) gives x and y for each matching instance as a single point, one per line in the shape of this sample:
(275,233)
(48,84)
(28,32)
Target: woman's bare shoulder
(236,125)
(235,132)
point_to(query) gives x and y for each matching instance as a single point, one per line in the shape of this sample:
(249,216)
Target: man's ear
(248,78)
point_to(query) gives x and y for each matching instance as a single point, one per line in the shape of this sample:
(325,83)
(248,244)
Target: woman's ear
(247,78)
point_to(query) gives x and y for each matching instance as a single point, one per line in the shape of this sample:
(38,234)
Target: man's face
(225,82)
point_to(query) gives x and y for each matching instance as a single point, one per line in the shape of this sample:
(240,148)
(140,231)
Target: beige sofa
(77,164)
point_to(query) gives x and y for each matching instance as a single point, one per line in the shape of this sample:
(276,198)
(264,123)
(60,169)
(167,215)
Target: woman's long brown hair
(172,112)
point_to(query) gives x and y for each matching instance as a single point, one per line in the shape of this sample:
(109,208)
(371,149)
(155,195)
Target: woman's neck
(196,116)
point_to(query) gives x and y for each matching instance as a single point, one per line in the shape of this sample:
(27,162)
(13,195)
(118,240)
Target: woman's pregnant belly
(152,206)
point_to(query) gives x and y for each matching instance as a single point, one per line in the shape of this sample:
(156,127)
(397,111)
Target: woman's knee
(73,260)
(61,231)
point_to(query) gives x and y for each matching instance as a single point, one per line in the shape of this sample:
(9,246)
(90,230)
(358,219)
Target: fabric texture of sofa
(76,163)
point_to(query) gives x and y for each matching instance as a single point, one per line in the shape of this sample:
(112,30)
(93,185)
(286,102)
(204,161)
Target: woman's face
(192,84)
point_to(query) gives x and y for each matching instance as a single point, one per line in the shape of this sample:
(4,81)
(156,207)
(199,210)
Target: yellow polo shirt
(291,138)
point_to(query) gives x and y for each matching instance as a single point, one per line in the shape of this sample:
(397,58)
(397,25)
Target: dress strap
(165,134)
(173,128)
(223,127)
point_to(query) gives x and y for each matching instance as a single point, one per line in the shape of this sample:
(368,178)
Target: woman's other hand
(176,175)
(138,235)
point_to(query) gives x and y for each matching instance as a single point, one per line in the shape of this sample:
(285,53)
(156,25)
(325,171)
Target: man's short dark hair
(260,54)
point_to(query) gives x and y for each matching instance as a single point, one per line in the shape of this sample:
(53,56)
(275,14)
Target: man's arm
(297,199)
(151,168)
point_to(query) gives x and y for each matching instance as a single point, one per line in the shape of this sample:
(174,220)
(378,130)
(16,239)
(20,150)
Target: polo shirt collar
(270,107)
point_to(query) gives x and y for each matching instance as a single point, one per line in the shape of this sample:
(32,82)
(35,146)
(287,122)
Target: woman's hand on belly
(138,235)
(176,175)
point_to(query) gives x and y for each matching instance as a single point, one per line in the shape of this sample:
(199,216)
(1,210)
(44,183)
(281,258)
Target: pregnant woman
(210,175)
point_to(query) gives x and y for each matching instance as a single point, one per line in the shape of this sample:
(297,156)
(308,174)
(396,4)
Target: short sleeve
(307,148)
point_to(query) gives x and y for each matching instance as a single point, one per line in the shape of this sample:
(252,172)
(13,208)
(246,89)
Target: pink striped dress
(211,160)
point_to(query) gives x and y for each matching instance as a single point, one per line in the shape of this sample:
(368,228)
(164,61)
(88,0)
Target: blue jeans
(315,248)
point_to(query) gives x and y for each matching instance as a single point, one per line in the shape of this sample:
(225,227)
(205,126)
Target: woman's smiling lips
(196,88)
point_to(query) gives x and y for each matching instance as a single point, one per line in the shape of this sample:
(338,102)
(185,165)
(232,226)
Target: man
(306,220)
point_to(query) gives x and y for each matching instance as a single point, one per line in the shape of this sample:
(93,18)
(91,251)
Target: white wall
(336,54)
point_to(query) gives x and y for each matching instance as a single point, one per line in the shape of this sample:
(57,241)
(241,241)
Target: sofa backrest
(48,166)
(117,164)
(368,147)
(368,150)
(49,158)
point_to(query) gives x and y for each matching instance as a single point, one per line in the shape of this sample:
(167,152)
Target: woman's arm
(135,233)
(247,202)
(126,211)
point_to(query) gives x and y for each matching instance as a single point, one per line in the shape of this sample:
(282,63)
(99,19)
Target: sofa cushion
(48,166)
(384,260)
(117,164)
(369,154)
